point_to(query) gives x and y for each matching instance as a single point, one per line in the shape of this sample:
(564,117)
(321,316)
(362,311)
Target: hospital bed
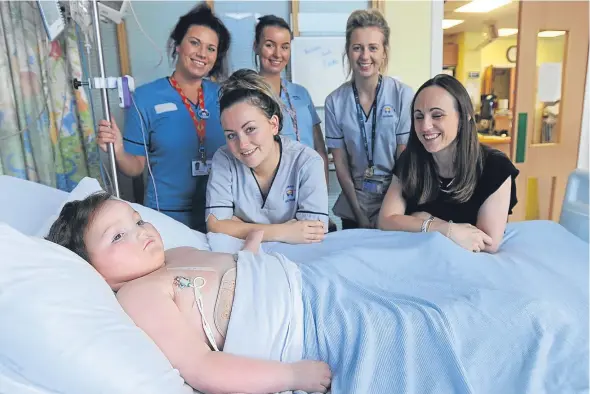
(63,332)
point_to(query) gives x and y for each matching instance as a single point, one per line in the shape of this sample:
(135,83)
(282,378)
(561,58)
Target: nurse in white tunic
(367,122)
(261,180)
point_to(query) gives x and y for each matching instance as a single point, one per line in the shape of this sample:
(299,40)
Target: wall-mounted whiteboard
(322,23)
(316,63)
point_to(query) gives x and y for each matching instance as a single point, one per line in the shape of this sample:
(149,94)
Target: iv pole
(105,99)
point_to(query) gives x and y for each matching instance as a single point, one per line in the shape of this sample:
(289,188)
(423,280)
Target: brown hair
(264,22)
(247,85)
(69,229)
(367,18)
(202,15)
(416,168)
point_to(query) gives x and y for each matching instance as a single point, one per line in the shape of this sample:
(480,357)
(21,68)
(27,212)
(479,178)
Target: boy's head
(110,235)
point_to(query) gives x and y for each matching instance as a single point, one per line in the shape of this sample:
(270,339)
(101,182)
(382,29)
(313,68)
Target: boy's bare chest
(204,288)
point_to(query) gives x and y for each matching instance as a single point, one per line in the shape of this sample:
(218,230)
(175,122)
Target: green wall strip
(521,138)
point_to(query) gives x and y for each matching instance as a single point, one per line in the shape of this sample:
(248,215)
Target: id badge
(201,169)
(372,186)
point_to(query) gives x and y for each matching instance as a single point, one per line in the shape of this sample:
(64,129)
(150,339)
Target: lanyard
(203,114)
(360,113)
(291,111)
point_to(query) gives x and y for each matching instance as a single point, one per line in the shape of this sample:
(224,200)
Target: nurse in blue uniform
(367,122)
(262,180)
(173,125)
(272,49)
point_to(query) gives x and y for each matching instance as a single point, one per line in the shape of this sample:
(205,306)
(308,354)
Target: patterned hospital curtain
(46,127)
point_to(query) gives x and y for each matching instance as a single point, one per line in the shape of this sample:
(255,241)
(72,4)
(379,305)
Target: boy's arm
(253,241)
(155,312)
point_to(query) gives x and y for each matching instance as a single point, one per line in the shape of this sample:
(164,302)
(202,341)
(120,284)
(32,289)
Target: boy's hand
(311,376)
(253,241)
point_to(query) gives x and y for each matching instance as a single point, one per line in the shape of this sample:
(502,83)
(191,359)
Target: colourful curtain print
(46,128)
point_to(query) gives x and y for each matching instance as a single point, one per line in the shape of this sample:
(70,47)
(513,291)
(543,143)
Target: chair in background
(574,213)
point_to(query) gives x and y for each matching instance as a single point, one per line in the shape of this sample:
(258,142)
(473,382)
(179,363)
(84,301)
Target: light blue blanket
(415,313)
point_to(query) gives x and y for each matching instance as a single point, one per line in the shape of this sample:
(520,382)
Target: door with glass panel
(550,80)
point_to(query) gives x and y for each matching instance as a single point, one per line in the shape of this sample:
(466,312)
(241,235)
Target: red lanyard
(291,111)
(199,122)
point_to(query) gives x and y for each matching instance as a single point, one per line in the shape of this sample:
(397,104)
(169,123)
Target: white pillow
(63,330)
(26,205)
(223,243)
(173,232)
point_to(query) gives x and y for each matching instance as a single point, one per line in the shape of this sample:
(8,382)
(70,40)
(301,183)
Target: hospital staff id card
(372,186)
(200,168)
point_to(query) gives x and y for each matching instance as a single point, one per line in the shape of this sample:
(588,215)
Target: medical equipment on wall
(52,18)
(125,86)
(87,15)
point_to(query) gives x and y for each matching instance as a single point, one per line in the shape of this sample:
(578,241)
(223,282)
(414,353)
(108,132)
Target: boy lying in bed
(161,291)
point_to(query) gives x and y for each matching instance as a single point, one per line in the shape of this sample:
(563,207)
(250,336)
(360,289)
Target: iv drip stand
(105,99)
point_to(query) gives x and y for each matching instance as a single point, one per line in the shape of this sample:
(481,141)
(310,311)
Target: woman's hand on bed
(469,237)
(303,231)
(311,376)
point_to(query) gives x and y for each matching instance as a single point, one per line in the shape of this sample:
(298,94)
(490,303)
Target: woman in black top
(446,181)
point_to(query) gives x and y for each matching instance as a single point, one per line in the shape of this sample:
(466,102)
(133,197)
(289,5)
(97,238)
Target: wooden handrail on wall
(123,46)
(294,5)
(378,4)
(137,183)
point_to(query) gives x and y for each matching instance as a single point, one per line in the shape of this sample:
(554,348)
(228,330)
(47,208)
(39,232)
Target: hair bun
(202,9)
(248,84)
(246,79)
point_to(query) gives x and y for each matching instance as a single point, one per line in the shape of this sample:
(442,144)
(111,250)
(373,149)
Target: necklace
(445,187)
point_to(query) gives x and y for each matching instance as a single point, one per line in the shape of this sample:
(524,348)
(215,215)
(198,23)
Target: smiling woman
(367,121)
(272,48)
(260,180)
(446,181)
(173,125)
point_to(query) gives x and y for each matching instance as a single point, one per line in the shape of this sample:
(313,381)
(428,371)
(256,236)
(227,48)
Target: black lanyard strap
(361,120)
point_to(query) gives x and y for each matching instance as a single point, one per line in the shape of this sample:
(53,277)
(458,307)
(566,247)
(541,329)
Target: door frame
(542,183)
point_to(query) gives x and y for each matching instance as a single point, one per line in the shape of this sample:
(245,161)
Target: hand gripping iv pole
(125,86)
(105,98)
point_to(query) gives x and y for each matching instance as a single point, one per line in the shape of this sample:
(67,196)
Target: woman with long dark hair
(446,181)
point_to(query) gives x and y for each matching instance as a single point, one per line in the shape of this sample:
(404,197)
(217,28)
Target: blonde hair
(367,18)
(247,85)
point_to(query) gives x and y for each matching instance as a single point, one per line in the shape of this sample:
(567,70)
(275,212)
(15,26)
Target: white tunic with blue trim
(298,190)
(393,128)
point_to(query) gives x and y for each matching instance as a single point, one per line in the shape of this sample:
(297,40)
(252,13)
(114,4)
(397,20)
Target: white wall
(584,140)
